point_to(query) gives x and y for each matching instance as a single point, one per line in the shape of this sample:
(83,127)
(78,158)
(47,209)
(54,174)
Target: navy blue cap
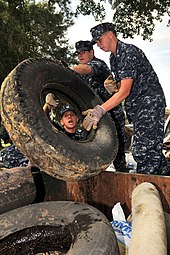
(83,45)
(100,29)
(65,108)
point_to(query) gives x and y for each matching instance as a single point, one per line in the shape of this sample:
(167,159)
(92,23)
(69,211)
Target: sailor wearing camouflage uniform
(95,71)
(68,121)
(63,117)
(144,99)
(99,70)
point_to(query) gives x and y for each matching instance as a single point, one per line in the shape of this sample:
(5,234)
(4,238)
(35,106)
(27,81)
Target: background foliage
(131,17)
(37,29)
(33,30)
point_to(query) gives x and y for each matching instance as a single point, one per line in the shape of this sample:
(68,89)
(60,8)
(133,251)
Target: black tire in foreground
(59,226)
(22,98)
(17,188)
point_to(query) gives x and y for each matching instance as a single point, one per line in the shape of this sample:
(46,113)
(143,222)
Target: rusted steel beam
(106,189)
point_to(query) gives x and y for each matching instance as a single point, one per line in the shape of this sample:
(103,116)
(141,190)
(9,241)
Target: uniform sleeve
(96,66)
(129,63)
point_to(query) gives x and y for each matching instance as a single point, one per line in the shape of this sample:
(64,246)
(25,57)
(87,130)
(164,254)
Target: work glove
(111,85)
(51,100)
(93,116)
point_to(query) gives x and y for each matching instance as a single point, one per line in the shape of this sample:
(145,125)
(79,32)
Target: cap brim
(83,49)
(69,110)
(95,39)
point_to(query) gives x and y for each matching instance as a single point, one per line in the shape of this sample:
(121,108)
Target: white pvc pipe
(148,222)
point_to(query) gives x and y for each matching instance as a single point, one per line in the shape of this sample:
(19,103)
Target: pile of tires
(66,227)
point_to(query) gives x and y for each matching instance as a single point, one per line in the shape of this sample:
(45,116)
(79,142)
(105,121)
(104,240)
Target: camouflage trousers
(148,142)
(118,116)
(12,157)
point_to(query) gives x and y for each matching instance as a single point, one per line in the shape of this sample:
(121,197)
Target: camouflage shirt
(96,79)
(130,62)
(12,157)
(79,135)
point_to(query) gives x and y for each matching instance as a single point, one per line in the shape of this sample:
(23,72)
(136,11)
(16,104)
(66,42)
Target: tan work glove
(93,116)
(111,85)
(50,103)
(51,100)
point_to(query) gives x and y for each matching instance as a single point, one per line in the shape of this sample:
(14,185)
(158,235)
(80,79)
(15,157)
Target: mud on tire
(17,188)
(22,98)
(60,226)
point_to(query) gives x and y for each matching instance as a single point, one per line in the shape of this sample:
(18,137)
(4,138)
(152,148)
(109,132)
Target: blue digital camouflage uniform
(12,157)
(96,81)
(79,135)
(145,107)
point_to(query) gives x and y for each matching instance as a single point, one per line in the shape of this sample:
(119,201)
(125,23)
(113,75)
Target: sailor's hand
(51,101)
(93,116)
(111,85)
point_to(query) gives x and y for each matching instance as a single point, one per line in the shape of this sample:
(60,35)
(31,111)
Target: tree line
(30,28)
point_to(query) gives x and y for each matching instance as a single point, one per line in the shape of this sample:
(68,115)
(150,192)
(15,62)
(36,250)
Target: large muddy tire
(17,188)
(22,99)
(73,228)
